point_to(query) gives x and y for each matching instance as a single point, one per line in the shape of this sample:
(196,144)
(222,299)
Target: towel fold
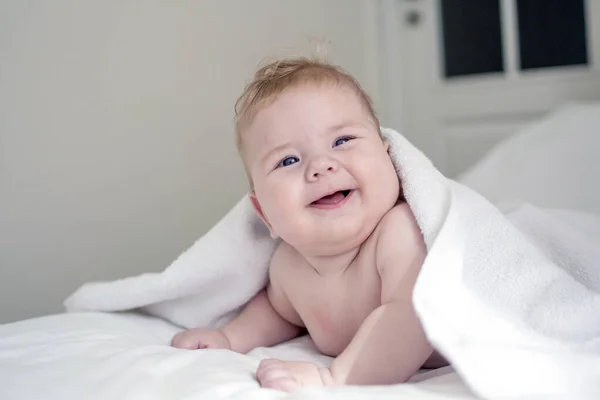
(513,301)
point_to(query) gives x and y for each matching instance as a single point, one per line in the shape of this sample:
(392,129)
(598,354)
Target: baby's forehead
(296,114)
(306,110)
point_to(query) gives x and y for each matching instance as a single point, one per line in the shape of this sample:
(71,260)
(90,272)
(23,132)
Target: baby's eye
(342,140)
(286,162)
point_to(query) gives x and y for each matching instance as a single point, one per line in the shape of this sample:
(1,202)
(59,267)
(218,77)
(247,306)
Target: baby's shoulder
(399,233)
(400,217)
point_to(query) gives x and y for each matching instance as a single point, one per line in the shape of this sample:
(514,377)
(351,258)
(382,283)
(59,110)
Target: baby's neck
(332,265)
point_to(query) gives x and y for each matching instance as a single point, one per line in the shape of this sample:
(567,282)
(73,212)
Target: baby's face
(322,176)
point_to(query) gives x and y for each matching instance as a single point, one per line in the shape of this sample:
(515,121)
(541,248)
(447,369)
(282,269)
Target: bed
(125,356)
(95,355)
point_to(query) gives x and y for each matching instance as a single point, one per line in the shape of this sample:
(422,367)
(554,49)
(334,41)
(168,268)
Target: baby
(350,252)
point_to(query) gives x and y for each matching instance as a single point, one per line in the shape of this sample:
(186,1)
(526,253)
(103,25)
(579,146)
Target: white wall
(116,140)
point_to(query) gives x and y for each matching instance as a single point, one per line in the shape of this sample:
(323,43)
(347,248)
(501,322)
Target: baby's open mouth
(333,198)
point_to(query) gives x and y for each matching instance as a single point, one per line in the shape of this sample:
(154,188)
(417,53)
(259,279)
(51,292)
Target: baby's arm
(269,318)
(264,321)
(259,324)
(390,345)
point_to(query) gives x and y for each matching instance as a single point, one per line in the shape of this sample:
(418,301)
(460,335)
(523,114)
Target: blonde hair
(275,77)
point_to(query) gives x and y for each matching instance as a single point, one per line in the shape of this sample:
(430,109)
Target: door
(463,74)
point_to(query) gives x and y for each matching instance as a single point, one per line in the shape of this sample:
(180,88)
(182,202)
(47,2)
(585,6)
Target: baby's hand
(200,338)
(289,376)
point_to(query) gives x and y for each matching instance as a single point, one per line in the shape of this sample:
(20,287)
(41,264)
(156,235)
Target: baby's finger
(180,341)
(269,364)
(175,340)
(266,362)
(188,342)
(264,375)
(286,384)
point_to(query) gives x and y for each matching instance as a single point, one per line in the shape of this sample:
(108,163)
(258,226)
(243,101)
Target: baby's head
(320,175)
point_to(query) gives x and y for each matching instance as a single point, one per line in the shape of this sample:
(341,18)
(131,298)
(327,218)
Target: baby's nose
(321,166)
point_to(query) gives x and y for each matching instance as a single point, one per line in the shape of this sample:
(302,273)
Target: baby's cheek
(293,232)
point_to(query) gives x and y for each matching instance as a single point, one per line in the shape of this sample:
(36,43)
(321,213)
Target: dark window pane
(472,38)
(551,33)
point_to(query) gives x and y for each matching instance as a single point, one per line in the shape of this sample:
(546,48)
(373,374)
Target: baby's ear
(261,214)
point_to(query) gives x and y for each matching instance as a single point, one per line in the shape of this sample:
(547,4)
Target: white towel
(515,306)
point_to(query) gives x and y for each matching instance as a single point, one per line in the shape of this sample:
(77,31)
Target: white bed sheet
(127,356)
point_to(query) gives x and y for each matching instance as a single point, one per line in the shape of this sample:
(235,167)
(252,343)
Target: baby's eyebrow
(344,125)
(273,151)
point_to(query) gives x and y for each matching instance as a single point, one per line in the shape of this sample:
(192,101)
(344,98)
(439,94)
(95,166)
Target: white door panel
(456,120)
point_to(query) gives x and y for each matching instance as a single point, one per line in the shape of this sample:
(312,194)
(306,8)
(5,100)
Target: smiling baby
(350,252)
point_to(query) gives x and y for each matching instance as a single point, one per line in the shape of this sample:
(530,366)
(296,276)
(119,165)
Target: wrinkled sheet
(126,356)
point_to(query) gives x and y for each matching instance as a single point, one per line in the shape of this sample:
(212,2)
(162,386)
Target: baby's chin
(334,240)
